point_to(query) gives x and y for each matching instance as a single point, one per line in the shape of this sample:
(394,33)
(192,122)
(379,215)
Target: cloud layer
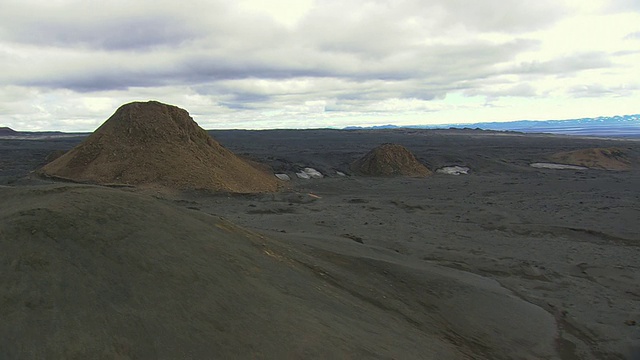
(67,64)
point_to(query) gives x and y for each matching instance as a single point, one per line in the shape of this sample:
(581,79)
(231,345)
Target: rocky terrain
(508,261)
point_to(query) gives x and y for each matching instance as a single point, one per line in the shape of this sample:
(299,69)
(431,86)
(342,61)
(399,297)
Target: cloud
(113,25)
(505,16)
(633,36)
(623,6)
(156,43)
(245,61)
(599,90)
(566,65)
(504,90)
(115,70)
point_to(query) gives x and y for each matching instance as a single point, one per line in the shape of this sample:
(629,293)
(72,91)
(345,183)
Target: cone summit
(154,143)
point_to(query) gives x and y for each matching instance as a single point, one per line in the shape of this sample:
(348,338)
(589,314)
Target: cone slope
(390,160)
(155,143)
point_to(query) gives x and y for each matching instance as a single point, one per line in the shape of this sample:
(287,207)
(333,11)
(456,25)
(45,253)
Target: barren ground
(509,261)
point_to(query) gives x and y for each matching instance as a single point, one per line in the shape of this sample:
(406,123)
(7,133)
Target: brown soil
(595,158)
(390,160)
(54,155)
(158,144)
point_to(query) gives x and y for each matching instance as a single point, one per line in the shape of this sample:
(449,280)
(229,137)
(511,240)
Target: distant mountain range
(609,126)
(618,126)
(8,133)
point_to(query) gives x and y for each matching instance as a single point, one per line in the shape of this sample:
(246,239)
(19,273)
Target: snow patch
(557,166)
(284,177)
(315,174)
(453,170)
(303,175)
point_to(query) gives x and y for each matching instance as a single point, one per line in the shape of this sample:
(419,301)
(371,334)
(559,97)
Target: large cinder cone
(155,143)
(390,160)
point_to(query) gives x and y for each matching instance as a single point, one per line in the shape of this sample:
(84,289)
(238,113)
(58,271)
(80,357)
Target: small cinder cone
(595,158)
(390,160)
(159,144)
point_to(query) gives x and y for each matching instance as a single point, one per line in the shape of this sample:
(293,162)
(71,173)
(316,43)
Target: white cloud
(285,12)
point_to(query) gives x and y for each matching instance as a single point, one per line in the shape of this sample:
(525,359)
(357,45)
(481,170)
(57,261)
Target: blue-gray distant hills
(613,126)
(7,131)
(609,126)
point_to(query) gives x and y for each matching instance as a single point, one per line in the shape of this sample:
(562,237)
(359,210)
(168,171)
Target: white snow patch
(340,173)
(557,166)
(454,170)
(284,177)
(303,175)
(313,173)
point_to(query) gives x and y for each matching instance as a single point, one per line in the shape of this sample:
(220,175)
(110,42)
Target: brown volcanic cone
(390,160)
(155,143)
(595,158)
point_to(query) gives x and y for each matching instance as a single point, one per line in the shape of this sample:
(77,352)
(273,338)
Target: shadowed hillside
(100,273)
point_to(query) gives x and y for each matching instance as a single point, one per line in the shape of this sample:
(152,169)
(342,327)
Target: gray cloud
(436,64)
(506,16)
(156,43)
(633,36)
(119,34)
(506,89)
(113,25)
(623,6)
(239,100)
(598,90)
(566,65)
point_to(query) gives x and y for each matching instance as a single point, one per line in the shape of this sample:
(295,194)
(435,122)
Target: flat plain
(507,261)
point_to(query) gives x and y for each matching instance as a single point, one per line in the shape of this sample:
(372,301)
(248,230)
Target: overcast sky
(69,64)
